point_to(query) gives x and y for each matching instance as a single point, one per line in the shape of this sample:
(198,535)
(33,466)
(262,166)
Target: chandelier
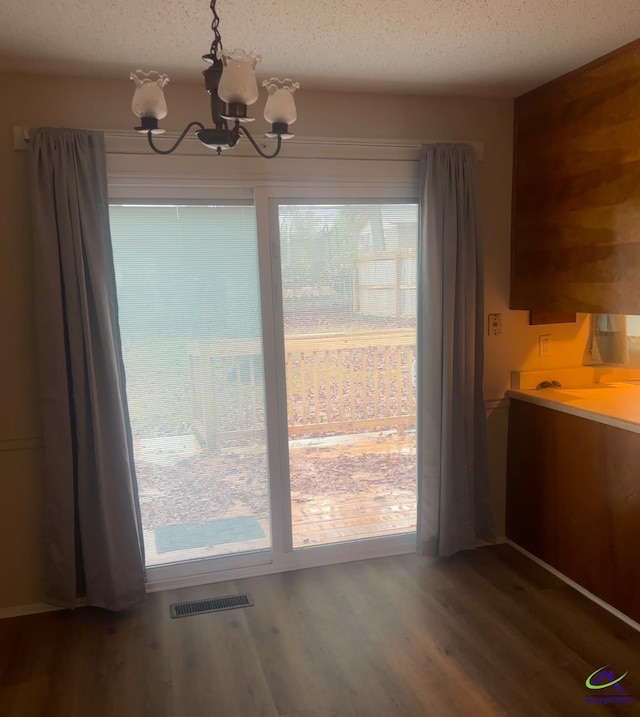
(231,83)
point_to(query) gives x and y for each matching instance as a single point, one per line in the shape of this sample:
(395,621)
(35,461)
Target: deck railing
(336,383)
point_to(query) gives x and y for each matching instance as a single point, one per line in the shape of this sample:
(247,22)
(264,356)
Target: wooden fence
(336,383)
(385,284)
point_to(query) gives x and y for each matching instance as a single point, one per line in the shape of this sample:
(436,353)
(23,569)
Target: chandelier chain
(216,45)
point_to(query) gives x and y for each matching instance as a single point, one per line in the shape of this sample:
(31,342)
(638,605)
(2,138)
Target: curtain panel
(453,486)
(609,342)
(94,547)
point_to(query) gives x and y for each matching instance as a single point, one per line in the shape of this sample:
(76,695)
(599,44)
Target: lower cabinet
(573,500)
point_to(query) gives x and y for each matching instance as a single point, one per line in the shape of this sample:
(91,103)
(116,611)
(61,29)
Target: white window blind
(190,319)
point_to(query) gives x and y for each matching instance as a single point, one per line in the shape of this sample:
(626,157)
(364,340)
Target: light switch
(495,324)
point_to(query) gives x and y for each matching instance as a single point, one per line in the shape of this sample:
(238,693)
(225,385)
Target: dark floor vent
(198,607)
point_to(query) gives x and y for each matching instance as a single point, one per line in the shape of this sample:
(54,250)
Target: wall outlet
(544,345)
(495,324)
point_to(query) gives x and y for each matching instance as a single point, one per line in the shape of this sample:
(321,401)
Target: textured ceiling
(479,47)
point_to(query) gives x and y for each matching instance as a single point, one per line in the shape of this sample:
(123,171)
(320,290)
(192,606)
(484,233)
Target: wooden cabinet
(573,500)
(531,506)
(576,203)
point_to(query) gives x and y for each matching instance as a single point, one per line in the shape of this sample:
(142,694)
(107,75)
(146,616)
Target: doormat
(186,536)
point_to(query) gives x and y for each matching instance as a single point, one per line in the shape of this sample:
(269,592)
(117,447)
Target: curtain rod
(21,138)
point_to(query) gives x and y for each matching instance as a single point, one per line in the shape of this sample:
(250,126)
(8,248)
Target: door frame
(281,557)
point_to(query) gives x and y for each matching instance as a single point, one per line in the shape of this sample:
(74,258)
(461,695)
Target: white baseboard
(486,544)
(493,403)
(21,610)
(34,609)
(583,591)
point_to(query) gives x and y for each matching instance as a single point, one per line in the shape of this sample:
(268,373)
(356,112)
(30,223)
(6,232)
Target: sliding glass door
(270,357)
(190,318)
(348,278)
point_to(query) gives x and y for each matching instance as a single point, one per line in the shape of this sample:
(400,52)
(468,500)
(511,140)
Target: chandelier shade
(280,106)
(231,83)
(238,84)
(148,96)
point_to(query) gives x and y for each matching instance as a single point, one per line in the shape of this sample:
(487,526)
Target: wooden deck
(319,520)
(325,520)
(344,506)
(380,505)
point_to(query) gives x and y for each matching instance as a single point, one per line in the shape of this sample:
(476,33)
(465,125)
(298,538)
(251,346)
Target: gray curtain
(94,547)
(453,487)
(608,342)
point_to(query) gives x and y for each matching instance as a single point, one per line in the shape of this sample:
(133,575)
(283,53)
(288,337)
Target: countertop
(615,404)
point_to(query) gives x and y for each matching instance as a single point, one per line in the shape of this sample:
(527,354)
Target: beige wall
(32,101)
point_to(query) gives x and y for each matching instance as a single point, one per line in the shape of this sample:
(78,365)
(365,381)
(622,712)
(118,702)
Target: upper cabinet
(576,202)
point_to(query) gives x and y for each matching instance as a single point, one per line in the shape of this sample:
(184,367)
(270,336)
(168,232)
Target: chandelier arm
(275,153)
(178,141)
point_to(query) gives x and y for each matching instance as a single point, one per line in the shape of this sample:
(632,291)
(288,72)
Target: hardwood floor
(481,634)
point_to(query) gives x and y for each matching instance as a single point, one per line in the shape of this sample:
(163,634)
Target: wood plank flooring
(482,634)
